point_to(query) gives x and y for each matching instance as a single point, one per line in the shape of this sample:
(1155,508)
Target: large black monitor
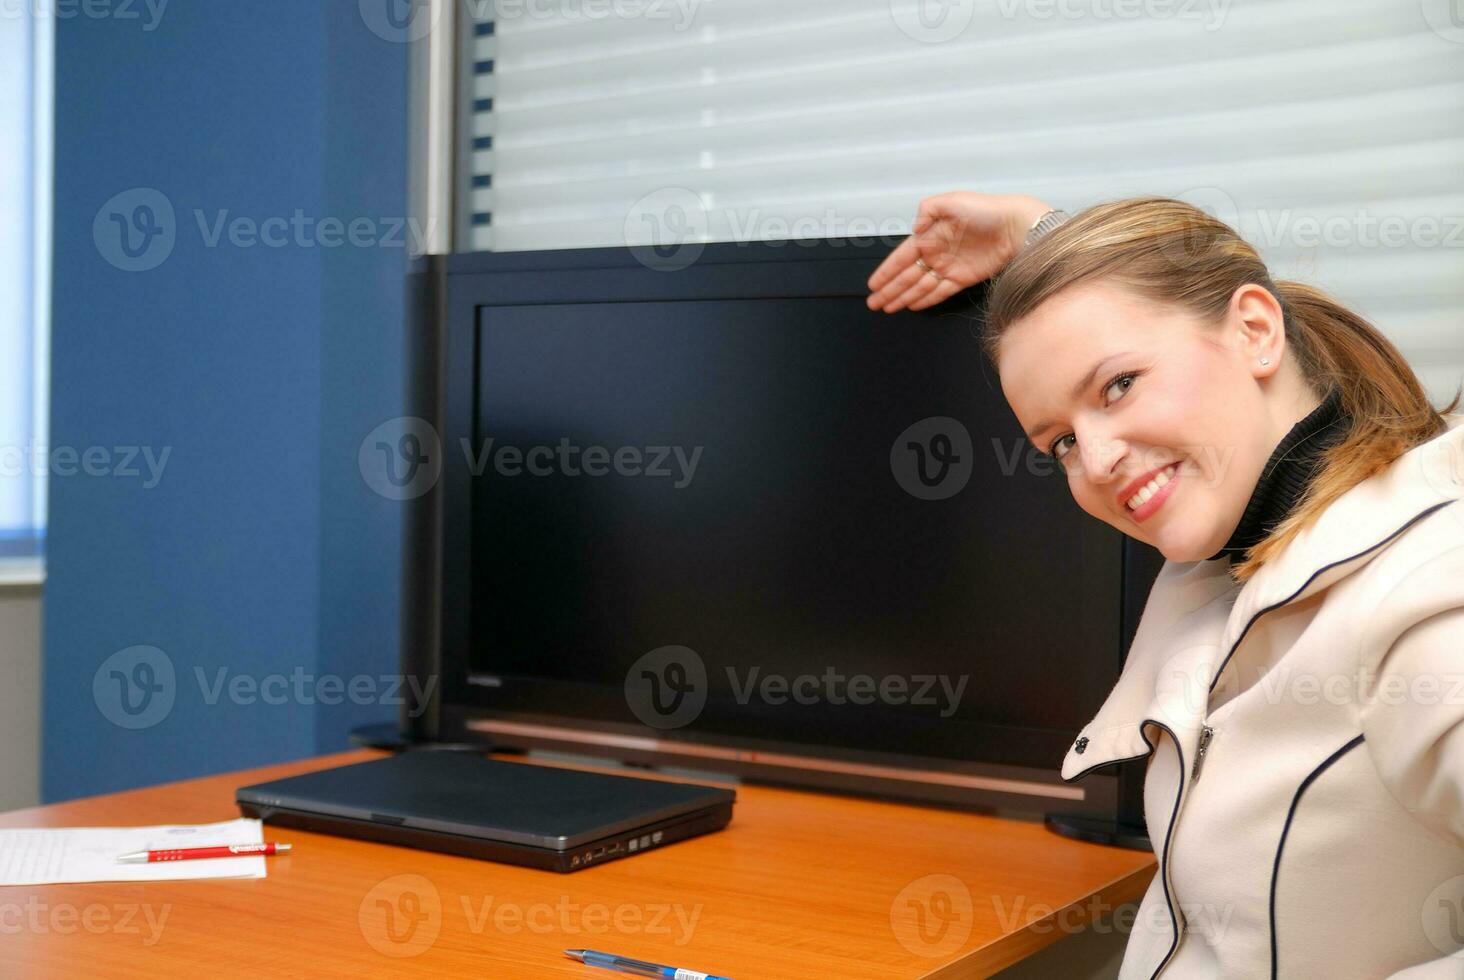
(723,516)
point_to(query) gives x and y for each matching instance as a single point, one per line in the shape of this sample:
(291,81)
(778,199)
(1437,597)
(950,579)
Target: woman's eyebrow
(1078,389)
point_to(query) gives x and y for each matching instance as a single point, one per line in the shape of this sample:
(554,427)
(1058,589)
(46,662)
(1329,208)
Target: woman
(1296,681)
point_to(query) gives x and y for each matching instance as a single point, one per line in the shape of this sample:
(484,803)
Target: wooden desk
(799,885)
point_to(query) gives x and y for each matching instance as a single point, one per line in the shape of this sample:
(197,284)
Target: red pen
(189,853)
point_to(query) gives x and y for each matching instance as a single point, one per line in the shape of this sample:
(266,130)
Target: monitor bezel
(730,270)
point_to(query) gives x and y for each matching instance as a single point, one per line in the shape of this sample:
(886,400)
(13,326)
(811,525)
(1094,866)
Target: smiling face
(1168,389)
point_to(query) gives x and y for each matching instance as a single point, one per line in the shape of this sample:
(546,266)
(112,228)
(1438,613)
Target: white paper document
(46,856)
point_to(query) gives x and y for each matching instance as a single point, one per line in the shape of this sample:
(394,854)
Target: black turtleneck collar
(1286,475)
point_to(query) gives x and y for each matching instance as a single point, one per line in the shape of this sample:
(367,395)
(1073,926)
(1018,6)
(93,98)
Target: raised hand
(957,240)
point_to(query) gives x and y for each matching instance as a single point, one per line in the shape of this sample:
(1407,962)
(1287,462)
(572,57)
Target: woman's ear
(1256,316)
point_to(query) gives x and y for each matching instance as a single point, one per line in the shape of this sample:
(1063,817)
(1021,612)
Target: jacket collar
(1358,524)
(1196,613)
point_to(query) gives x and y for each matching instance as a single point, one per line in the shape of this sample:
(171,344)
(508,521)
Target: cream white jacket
(1305,734)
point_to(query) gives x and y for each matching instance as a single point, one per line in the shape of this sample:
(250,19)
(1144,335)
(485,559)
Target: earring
(1265,360)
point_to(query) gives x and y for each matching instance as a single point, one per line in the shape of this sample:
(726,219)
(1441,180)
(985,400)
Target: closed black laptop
(519,813)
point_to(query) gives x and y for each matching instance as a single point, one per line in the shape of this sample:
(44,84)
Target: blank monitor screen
(794,488)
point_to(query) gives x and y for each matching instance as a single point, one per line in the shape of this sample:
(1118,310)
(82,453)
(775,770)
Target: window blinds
(1329,132)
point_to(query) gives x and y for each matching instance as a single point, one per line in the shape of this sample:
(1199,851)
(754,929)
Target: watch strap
(1046,223)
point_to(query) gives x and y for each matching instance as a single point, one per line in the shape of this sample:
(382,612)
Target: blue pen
(640,968)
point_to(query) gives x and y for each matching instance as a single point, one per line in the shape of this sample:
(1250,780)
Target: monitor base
(1096,830)
(390,736)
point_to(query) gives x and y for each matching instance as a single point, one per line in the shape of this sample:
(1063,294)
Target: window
(25,289)
(1330,133)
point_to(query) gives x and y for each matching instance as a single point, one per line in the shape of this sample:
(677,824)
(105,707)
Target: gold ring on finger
(921,263)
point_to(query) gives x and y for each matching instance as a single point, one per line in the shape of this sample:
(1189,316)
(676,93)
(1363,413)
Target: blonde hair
(1173,253)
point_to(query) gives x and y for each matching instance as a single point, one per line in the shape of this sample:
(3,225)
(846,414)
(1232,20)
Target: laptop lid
(463,793)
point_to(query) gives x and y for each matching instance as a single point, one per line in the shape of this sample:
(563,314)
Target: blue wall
(259,557)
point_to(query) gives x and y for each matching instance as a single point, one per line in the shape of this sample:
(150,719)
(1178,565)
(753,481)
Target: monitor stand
(392,737)
(1098,830)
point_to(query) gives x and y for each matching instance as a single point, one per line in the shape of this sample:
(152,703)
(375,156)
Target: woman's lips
(1147,509)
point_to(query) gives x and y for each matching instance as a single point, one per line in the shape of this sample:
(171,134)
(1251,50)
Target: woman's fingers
(895,263)
(897,287)
(899,282)
(930,210)
(943,291)
(908,275)
(918,283)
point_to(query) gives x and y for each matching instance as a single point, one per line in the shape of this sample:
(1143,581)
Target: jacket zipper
(1206,733)
(1181,921)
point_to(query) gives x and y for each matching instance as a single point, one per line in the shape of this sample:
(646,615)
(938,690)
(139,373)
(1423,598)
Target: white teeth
(1149,489)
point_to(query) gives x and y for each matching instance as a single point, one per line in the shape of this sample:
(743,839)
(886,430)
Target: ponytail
(1388,409)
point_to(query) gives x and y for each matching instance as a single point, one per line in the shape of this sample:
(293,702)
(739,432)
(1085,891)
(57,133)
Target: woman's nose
(1101,455)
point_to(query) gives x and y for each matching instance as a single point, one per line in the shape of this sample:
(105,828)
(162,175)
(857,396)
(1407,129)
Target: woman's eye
(1122,377)
(1128,376)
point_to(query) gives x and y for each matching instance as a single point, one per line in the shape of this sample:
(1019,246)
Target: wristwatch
(1044,224)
